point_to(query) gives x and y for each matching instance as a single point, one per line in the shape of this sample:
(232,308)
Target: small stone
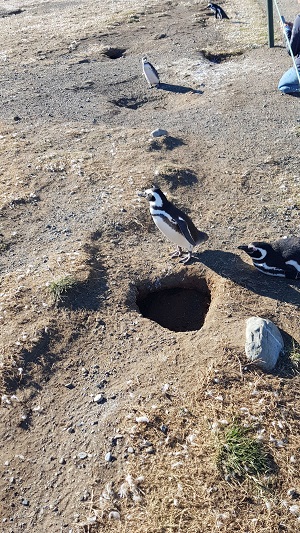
(292,493)
(130,449)
(70,430)
(82,455)
(150,450)
(142,419)
(114,515)
(62,461)
(12,480)
(164,429)
(108,457)
(25,502)
(263,342)
(158,132)
(69,386)
(100,398)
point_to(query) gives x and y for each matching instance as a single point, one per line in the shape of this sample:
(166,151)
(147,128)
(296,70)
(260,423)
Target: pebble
(25,502)
(114,515)
(82,455)
(142,419)
(164,429)
(158,132)
(70,430)
(130,449)
(99,398)
(69,386)
(108,457)
(62,461)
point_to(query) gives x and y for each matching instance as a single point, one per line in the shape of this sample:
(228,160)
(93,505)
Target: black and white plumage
(150,73)
(218,11)
(173,223)
(279,258)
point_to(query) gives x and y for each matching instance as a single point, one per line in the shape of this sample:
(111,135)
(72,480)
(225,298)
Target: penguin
(218,11)
(174,224)
(150,73)
(279,258)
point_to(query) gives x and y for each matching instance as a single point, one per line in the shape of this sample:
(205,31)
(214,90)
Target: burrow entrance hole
(178,308)
(220,58)
(113,52)
(130,103)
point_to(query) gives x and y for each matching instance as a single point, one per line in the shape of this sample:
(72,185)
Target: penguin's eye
(152,198)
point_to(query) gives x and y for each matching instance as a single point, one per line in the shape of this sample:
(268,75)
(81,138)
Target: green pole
(270,23)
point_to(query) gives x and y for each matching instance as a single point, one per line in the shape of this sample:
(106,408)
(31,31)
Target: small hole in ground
(177,308)
(114,52)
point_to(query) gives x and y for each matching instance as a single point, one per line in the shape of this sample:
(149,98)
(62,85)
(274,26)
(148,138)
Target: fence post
(270,23)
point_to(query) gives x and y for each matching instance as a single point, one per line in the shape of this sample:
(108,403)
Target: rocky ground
(96,396)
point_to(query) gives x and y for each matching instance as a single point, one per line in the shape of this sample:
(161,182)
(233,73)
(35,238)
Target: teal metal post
(270,23)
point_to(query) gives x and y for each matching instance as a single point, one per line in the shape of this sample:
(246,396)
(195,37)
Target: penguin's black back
(289,248)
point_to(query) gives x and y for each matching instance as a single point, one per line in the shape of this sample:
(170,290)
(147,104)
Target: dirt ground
(76,147)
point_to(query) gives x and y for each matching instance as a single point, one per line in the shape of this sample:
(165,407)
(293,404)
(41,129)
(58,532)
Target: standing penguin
(279,258)
(173,223)
(218,11)
(150,73)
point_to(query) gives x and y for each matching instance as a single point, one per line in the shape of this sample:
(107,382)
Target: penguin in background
(279,258)
(174,224)
(218,11)
(150,73)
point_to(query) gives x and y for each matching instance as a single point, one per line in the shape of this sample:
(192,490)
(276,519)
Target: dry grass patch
(179,477)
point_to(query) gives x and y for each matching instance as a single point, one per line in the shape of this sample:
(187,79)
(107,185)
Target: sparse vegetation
(241,455)
(294,353)
(61,288)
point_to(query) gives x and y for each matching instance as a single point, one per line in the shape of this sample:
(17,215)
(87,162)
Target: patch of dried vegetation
(172,481)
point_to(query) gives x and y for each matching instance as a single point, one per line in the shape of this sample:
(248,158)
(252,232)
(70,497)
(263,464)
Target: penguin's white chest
(170,232)
(150,74)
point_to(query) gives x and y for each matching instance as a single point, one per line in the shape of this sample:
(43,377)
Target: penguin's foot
(177,253)
(186,258)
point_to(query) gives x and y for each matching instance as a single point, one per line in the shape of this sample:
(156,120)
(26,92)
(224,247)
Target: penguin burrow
(179,307)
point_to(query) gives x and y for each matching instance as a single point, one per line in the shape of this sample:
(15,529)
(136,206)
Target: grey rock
(158,132)
(82,455)
(263,342)
(108,457)
(100,398)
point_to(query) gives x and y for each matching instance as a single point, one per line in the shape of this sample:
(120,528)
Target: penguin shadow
(179,89)
(230,266)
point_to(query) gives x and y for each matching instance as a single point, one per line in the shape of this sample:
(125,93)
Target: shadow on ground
(179,89)
(230,266)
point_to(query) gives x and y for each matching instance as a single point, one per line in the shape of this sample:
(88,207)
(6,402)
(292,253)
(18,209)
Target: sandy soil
(76,119)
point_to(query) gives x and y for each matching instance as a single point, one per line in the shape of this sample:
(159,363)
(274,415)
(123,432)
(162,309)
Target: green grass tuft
(294,353)
(240,455)
(61,288)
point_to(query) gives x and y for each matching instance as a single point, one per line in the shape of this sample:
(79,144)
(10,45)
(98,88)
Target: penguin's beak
(244,247)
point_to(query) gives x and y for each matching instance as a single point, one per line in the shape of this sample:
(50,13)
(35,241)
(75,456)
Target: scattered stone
(69,386)
(142,419)
(164,429)
(114,515)
(263,342)
(292,493)
(82,455)
(108,457)
(150,450)
(12,480)
(25,502)
(158,132)
(70,430)
(130,449)
(62,461)
(100,398)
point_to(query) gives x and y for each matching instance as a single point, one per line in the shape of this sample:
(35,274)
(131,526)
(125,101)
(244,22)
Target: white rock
(158,132)
(263,342)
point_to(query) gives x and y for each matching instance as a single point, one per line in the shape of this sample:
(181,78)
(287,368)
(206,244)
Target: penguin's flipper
(291,272)
(185,230)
